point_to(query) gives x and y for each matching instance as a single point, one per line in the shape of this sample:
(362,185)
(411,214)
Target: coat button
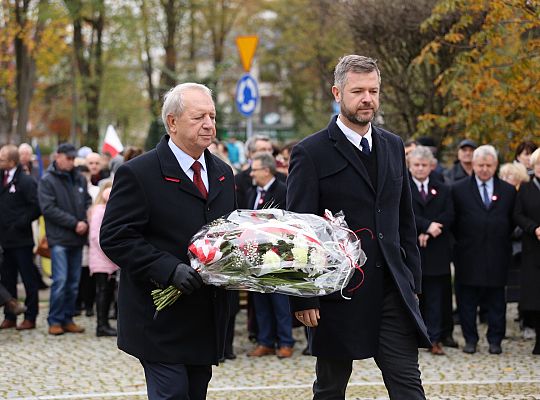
(378,265)
(381,235)
(379,210)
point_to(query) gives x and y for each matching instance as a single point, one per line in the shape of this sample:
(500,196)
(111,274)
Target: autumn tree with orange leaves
(493,85)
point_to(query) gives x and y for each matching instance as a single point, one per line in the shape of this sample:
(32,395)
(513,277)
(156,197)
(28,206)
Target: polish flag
(112,143)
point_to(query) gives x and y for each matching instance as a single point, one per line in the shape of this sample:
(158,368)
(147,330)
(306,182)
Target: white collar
(11,173)
(353,136)
(184,159)
(419,184)
(489,183)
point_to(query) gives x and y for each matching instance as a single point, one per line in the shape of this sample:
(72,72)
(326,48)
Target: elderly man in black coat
(18,208)
(483,226)
(434,214)
(355,167)
(158,202)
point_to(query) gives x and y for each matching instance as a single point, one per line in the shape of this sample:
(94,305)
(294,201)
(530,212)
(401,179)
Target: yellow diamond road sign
(246,47)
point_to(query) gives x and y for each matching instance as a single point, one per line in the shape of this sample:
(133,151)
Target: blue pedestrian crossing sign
(247,95)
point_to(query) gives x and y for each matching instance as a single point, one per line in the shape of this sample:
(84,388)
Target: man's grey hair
(484,151)
(173,101)
(252,141)
(422,152)
(26,147)
(354,63)
(267,161)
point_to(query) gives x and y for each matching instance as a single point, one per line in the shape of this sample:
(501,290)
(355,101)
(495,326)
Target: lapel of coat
(342,144)
(216,176)
(496,193)
(171,170)
(414,191)
(381,147)
(476,193)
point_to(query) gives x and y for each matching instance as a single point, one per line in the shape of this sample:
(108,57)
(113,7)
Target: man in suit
(243,180)
(355,167)
(18,208)
(272,311)
(159,200)
(433,214)
(483,250)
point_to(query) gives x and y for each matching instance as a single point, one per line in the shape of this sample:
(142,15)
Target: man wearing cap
(64,200)
(463,165)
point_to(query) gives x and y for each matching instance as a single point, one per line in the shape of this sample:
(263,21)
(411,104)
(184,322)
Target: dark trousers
(493,298)
(87,290)
(274,320)
(447,328)
(433,306)
(4,295)
(105,284)
(397,358)
(176,381)
(19,260)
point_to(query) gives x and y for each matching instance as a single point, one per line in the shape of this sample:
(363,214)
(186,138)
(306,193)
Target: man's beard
(353,118)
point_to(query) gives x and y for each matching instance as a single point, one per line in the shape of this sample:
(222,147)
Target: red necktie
(197,179)
(6,176)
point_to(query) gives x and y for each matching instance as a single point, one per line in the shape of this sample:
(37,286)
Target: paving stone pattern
(36,366)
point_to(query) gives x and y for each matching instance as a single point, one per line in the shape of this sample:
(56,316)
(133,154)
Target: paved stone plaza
(36,365)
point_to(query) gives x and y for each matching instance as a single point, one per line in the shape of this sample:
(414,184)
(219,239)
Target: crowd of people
(482,218)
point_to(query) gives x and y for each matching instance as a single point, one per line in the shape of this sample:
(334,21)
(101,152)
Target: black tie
(365,146)
(487,200)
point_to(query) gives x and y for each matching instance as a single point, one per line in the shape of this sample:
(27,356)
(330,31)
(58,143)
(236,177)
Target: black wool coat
(275,196)
(483,248)
(153,212)
(438,207)
(19,206)
(527,216)
(326,173)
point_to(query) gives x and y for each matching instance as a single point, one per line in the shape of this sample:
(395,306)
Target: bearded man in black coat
(355,167)
(158,202)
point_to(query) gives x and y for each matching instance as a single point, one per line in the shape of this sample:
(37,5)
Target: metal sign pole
(249,128)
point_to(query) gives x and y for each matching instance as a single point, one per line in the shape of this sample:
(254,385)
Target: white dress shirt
(259,189)
(353,136)
(489,187)
(186,161)
(419,184)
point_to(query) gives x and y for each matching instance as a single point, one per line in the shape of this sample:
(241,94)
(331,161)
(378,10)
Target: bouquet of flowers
(274,251)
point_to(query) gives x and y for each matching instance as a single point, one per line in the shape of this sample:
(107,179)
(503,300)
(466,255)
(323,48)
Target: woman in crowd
(101,267)
(527,216)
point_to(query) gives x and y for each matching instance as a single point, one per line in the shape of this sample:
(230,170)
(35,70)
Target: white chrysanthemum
(300,254)
(271,259)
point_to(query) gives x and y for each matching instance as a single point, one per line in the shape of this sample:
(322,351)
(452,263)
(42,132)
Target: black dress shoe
(449,342)
(230,356)
(306,351)
(495,348)
(470,348)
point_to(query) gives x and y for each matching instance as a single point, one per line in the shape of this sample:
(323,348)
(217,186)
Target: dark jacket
(153,212)
(64,200)
(244,183)
(275,196)
(483,249)
(527,216)
(326,173)
(18,208)
(438,207)
(455,174)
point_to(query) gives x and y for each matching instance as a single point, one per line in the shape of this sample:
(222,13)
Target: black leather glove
(186,279)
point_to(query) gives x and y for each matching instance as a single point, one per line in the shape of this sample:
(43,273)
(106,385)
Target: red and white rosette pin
(205,252)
